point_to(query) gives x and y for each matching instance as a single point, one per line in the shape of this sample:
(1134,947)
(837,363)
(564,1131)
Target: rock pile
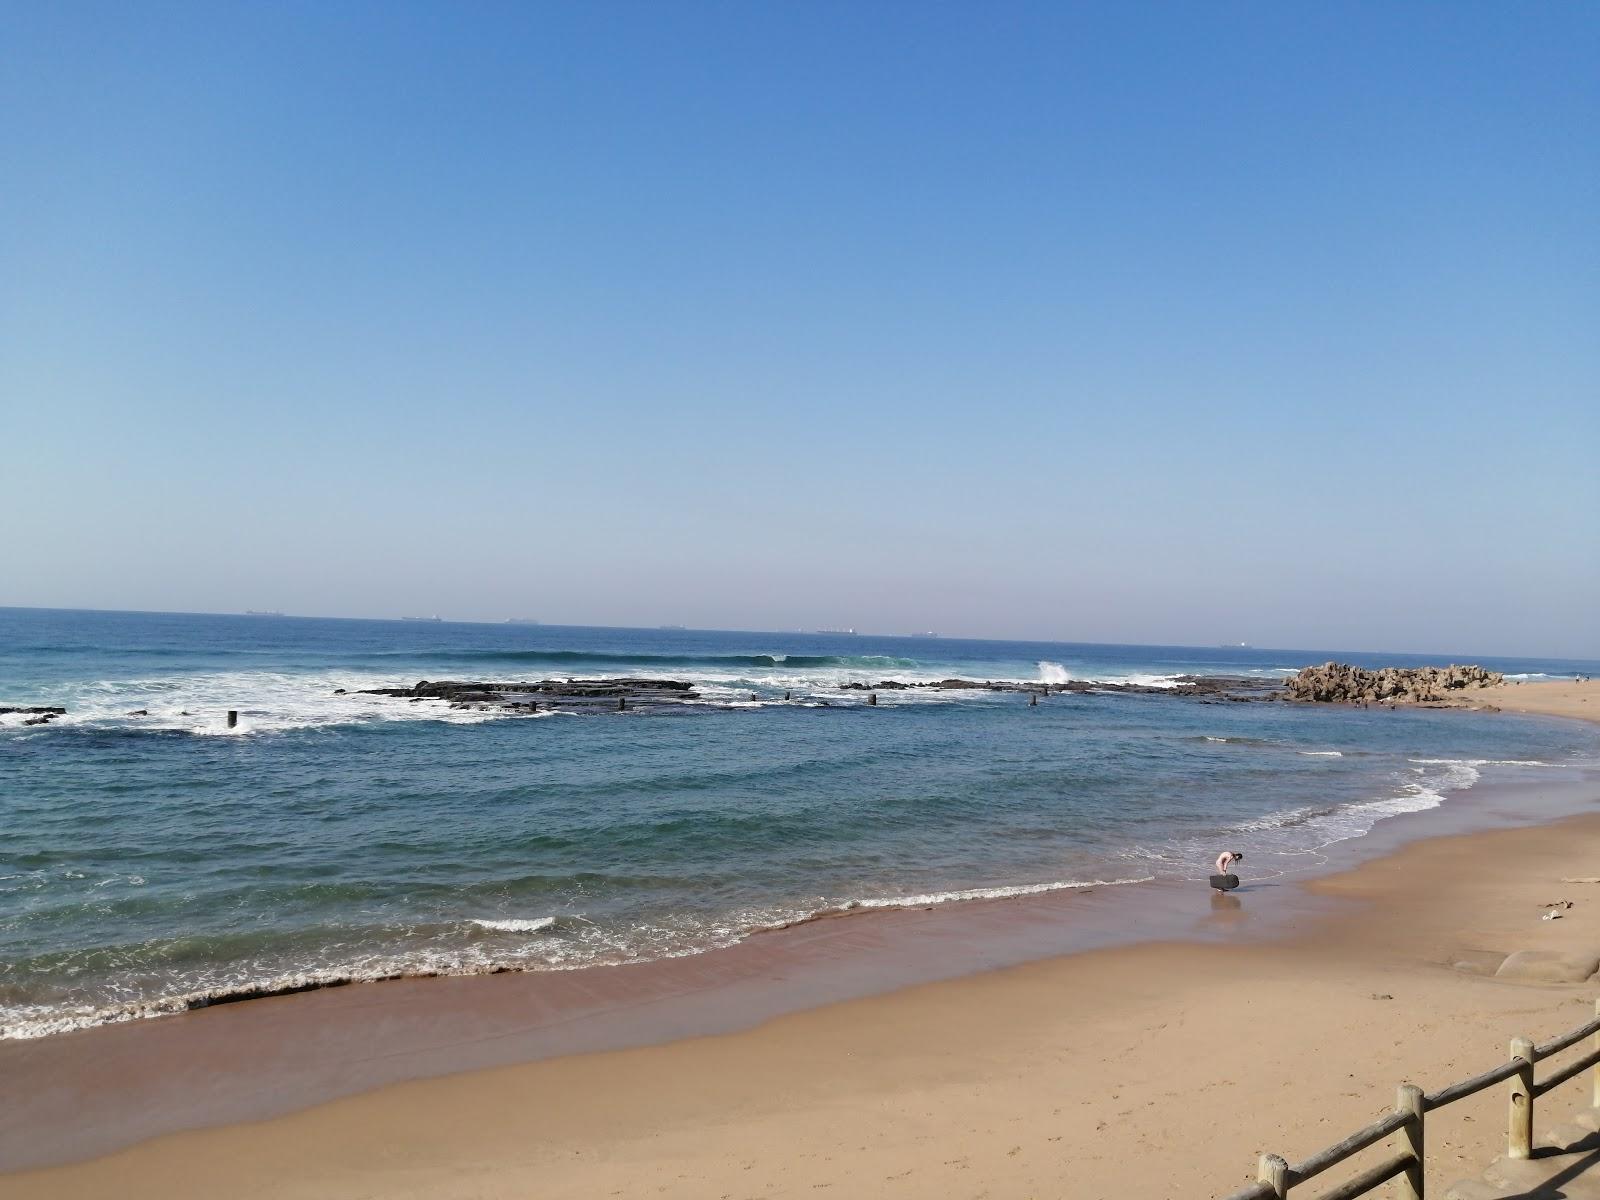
(1342,683)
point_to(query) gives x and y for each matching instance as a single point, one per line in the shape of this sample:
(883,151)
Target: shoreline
(1291,1040)
(1283,863)
(99,1090)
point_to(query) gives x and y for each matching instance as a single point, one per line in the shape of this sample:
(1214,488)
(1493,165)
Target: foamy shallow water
(150,863)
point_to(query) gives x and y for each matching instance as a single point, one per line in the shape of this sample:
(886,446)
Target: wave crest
(596,658)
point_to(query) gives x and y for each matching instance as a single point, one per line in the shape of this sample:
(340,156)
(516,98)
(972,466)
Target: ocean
(151,862)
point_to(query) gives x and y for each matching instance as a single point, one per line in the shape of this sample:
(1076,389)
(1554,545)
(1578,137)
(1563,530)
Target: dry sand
(1563,699)
(1153,1071)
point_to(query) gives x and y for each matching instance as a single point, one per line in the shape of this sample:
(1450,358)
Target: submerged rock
(37,714)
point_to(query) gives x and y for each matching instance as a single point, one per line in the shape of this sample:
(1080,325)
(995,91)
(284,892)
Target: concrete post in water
(1519,1129)
(1408,1100)
(233,718)
(1274,1171)
(622,704)
(873,699)
(1033,700)
(786,696)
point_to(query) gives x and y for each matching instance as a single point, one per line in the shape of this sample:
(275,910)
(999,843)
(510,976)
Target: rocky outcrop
(1221,687)
(37,714)
(628,692)
(1341,683)
(527,695)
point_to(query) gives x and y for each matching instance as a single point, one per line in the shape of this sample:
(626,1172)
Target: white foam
(1478,762)
(1323,753)
(1055,673)
(1338,823)
(1155,681)
(272,702)
(990,893)
(267,702)
(515,924)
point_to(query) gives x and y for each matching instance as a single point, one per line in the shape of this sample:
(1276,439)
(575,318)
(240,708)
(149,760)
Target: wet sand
(1282,1019)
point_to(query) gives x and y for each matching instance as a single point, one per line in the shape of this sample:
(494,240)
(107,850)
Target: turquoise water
(145,860)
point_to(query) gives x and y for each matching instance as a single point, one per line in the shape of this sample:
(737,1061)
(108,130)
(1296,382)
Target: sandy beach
(1159,1069)
(1566,698)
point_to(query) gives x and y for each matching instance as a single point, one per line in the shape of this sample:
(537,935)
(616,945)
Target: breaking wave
(581,658)
(1341,822)
(514,924)
(922,900)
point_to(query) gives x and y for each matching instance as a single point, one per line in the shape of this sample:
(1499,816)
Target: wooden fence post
(1408,1100)
(1597,1065)
(1519,1132)
(1274,1170)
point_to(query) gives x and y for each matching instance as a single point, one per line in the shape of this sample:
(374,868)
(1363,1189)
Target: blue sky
(1169,323)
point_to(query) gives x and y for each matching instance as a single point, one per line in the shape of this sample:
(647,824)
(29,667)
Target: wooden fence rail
(1276,1176)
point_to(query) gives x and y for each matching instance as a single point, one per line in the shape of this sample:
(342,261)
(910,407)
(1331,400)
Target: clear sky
(1264,322)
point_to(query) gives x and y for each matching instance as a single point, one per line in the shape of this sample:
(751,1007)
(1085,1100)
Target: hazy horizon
(1145,325)
(757,631)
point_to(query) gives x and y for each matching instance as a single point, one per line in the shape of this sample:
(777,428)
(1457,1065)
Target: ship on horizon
(258,612)
(435,617)
(843,632)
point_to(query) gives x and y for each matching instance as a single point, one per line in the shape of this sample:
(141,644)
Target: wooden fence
(1276,1176)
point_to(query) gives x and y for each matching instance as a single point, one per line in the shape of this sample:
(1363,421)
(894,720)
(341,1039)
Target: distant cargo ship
(256,612)
(435,617)
(672,627)
(847,632)
(516,621)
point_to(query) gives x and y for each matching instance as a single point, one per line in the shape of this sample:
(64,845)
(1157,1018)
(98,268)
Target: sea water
(150,862)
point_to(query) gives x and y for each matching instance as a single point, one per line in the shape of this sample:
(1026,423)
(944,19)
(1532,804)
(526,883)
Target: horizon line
(530,623)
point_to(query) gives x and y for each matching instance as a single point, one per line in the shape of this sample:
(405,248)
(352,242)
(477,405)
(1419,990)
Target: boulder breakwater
(1334,682)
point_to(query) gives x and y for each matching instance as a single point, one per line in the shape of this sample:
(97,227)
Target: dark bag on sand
(1224,883)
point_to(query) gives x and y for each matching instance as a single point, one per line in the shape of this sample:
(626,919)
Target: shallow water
(148,858)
